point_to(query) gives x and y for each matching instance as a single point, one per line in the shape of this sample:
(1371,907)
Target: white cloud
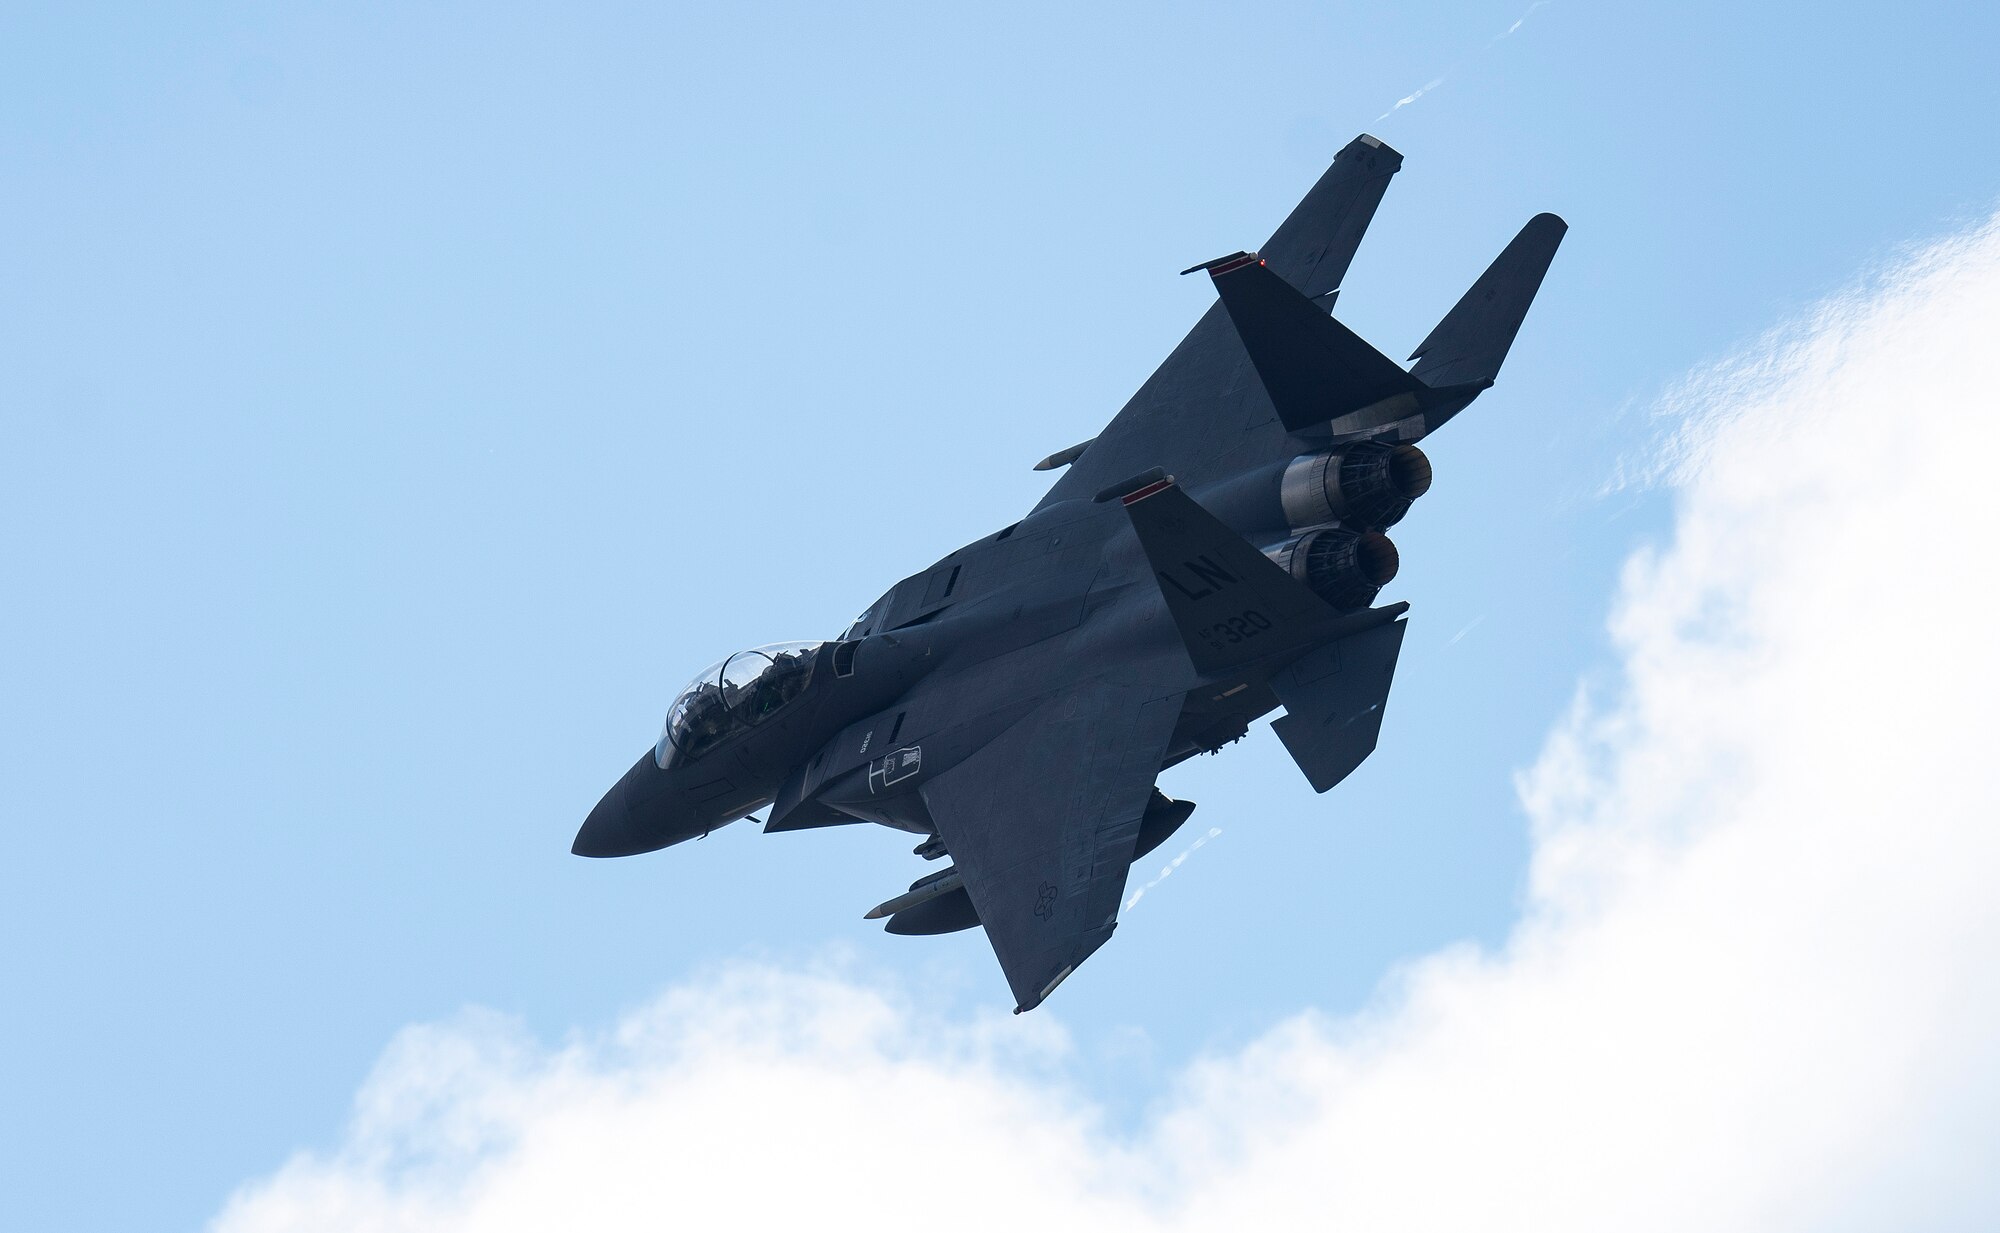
(1756,983)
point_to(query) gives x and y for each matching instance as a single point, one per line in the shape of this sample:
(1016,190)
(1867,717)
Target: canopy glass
(733,696)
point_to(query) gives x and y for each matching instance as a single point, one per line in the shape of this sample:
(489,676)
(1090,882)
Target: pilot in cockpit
(784,680)
(738,693)
(707,720)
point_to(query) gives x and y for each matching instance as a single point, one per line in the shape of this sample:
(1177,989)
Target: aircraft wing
(1041,824)
(1204,412)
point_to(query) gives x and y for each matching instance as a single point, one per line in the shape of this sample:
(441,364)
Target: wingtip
(1369,142)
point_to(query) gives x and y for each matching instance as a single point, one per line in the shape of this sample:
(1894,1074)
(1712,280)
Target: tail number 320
(1239,628)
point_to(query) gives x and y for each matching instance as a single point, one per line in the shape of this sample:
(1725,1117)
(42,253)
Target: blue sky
(402,401)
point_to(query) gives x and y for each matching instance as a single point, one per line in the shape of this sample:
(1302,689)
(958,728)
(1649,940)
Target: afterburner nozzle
(1367,484)
(1344,568)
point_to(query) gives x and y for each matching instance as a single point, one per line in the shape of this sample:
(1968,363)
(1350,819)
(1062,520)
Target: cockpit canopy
(733,696)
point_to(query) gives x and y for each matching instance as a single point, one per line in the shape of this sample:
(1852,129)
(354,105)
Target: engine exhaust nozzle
(1367,484)
(1345,568)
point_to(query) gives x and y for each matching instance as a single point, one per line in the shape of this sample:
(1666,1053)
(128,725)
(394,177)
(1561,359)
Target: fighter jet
(1213,555)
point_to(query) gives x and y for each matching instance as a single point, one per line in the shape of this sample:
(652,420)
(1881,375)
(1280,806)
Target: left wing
(1041,824)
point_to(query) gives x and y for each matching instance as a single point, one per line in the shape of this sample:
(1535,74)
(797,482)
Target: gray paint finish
(1013,704)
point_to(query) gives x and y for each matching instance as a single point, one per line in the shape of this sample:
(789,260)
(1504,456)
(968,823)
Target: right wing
(1042,822)
(1204,411)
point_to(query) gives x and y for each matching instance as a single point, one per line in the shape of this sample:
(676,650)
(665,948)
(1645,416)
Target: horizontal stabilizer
(1229,601)
(1471,342)
(1333,703)
(1314,368)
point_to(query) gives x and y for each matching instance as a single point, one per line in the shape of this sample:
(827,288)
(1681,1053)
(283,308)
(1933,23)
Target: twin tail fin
(1320,373)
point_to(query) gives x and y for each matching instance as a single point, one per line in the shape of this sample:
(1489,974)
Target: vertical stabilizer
(1469,345)
(1314,245)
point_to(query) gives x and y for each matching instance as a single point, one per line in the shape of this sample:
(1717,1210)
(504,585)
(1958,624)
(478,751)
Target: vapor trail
(1439,80)
(1469,627)
(1172,865)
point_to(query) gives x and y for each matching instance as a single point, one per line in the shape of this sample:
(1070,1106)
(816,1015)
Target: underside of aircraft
(1213,555)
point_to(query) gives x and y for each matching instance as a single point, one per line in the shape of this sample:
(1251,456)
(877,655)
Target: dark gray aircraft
(1211,556)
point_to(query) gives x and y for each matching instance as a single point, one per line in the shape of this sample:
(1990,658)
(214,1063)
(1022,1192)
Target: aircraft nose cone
(631,818)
